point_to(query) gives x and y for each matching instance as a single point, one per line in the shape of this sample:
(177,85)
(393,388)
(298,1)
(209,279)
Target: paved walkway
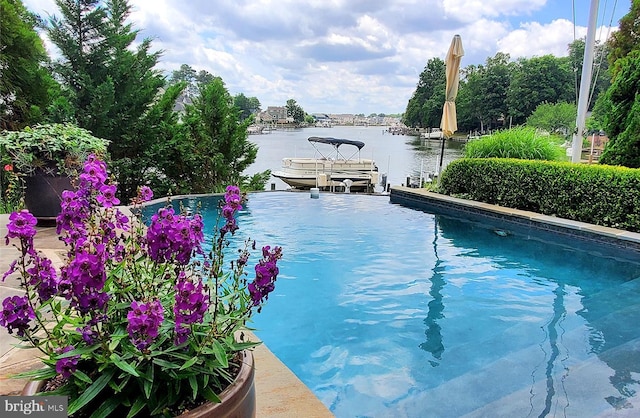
(279,392)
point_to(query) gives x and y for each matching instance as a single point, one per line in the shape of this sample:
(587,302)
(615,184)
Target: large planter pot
(238,400)
(43,194)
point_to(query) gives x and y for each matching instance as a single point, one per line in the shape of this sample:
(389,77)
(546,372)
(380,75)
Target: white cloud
(343,56)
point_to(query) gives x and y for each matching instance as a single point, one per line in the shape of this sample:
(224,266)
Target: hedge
(596,194)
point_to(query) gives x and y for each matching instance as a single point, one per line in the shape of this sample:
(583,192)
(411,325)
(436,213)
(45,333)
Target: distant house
(274,114)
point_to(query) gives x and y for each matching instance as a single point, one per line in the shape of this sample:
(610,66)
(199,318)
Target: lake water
(400,156)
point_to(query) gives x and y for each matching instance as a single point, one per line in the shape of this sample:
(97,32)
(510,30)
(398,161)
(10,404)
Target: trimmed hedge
(596,194)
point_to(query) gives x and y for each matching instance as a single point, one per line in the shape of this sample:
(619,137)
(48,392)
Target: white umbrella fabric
(449,122)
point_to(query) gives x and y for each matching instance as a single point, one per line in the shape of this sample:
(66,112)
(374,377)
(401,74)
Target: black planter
(43,194)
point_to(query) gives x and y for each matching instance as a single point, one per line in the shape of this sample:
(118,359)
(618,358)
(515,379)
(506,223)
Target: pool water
(387,311)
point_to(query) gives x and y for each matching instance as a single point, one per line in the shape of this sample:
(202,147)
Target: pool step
(573,392)
(495,388)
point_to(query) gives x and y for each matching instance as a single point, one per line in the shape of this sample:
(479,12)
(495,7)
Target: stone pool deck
(279,392)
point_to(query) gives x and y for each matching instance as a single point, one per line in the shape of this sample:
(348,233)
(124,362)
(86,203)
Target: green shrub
(520,142)
(597,194)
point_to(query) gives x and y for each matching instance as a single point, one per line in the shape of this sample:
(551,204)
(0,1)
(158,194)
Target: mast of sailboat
(585,83)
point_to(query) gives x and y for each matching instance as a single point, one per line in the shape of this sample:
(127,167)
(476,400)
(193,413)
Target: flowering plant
(139,319)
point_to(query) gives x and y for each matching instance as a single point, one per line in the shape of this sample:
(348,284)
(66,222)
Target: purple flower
(43,278)
(90,301)
(21,225)
(107,196)
(144,322)
(173,237)
(232,204)
(266,274)
(66,366)
(86,270)
(16,314)
(145,193)
(191,303)
(94,173)
(89,335)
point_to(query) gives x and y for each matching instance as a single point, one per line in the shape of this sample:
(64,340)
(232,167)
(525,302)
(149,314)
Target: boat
(433,133)
(330,170)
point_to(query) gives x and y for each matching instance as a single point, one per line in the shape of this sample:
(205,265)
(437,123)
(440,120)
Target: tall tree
(25,82)
(193,78)
(617,110)
(425,106)
(247,105)
(537,80)
(295,111)
(495,87)
(109,84)
(627,38)
(559,118)
(221,149)
(622,115)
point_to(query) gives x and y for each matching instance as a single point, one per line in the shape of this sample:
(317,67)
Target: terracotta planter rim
(238,399)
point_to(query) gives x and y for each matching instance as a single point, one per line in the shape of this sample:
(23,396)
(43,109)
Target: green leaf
(82,376)
(193,382)
(220,354)
(165,364)
(138,406)
(123,365)
(189,363)
(210,395)
(38,374)
(91,392)
(107,407)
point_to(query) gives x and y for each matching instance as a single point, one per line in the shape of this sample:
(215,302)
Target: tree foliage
(25,82)
(295,111)
(557,118)
(425,105)
(109,85)
(193,78)
(217,147)
(247,105)
(622,114)
(601,78)
(627,38)
(538,80)
(483,92)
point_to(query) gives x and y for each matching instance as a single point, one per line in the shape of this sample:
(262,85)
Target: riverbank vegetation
(502,93)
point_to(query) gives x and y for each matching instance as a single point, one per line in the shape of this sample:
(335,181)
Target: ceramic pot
(238,400)
(43,194)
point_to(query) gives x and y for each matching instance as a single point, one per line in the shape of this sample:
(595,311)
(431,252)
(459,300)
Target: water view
(399,156)
(386,311)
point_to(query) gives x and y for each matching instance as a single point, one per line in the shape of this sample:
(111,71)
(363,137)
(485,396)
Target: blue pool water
(386,311)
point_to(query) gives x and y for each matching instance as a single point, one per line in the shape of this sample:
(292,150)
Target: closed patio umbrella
(449,123)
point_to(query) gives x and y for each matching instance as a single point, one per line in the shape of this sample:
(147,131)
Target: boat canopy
(336,142)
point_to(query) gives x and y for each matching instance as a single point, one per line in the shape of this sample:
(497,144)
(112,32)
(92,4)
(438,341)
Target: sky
(349,56)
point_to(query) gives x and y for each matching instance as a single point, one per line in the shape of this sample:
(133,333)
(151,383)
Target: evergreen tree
(622,114)
(109,86)
(220,149)
(25,83)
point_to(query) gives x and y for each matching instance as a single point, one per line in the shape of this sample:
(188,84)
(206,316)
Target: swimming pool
(384,310)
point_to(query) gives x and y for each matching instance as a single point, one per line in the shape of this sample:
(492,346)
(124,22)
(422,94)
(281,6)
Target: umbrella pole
(441,156)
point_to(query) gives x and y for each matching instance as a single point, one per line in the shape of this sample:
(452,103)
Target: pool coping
(618,239)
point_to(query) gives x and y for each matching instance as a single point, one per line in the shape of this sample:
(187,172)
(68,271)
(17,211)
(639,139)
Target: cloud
(343,56)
